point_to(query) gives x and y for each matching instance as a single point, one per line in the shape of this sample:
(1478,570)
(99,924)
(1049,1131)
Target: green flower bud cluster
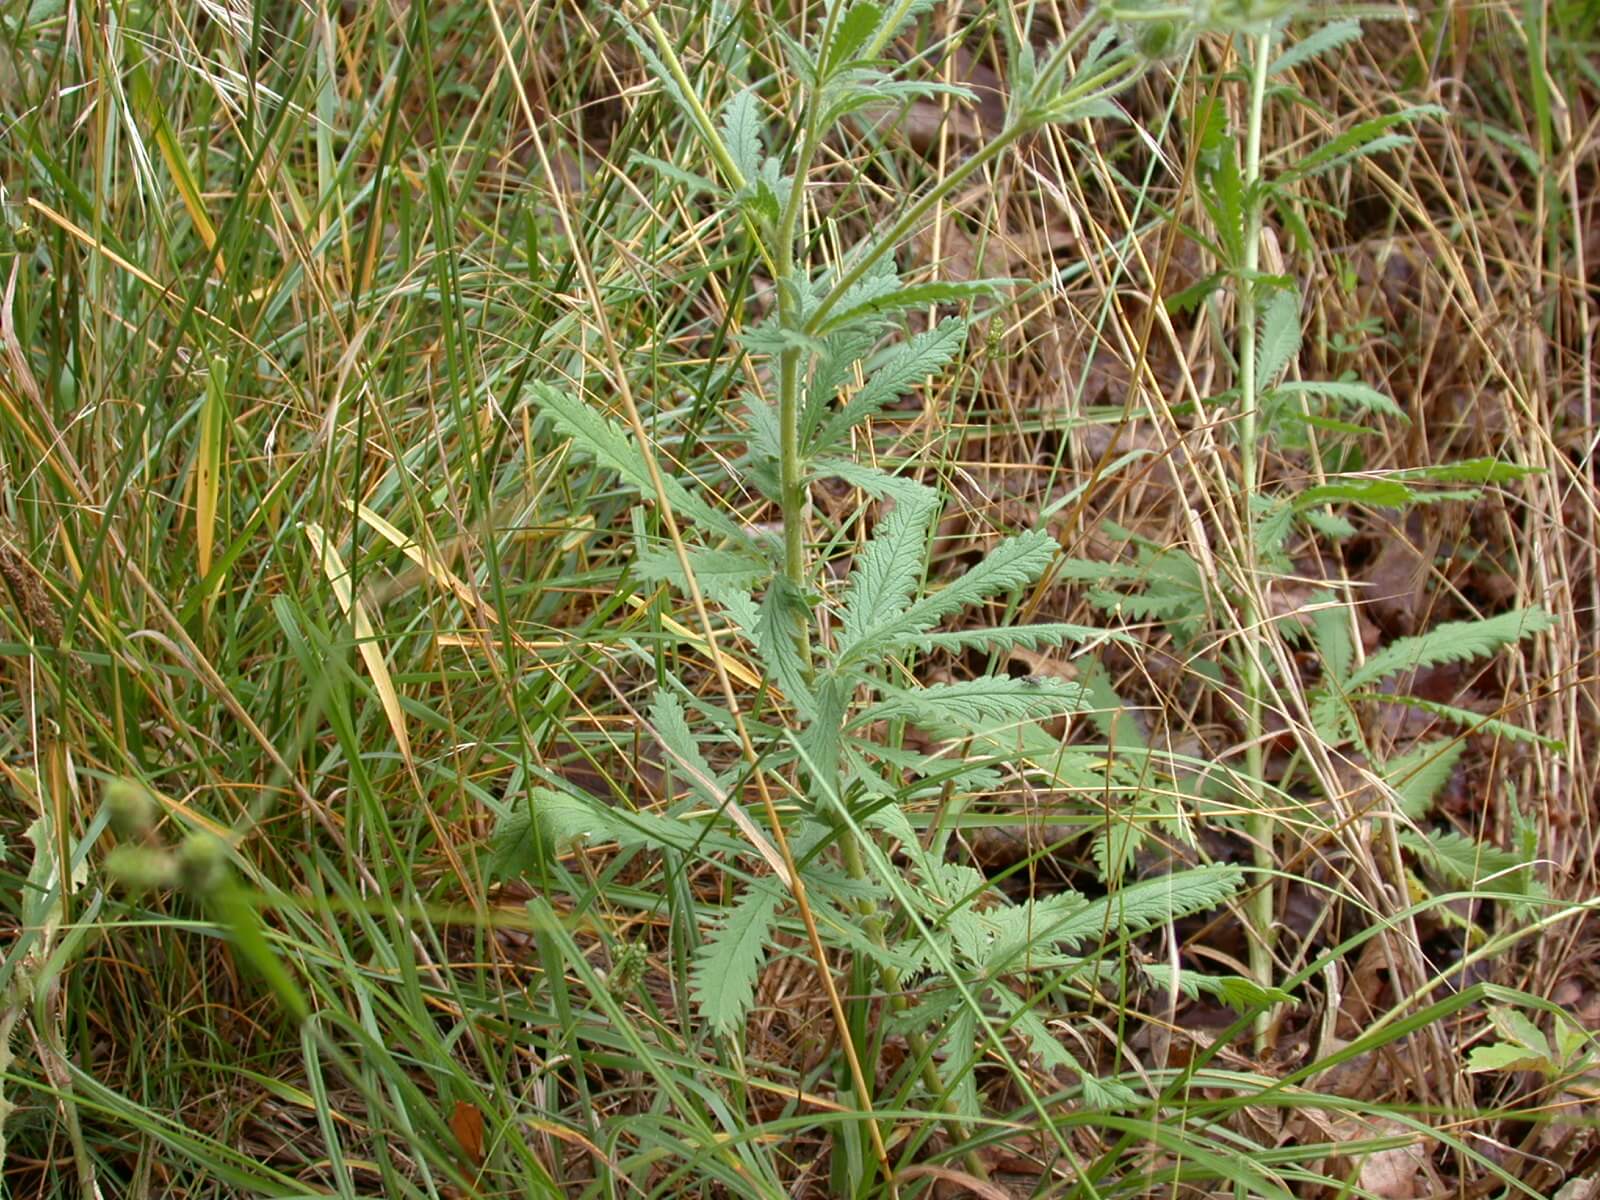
(199,864)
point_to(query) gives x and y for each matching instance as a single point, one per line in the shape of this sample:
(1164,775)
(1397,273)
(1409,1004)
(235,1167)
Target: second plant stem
(1263,902)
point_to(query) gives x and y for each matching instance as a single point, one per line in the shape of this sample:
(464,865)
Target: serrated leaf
(855,28)
(612,447)
(713,569)
(741,131)
(1015,562)
(887,570)
(1455,641)
(975,705)
(1237,992)
(1475,722)
(769,339)
(1191,297)
(891,374)
(1028,637)
(1314,44)
(1328,524)
(823,737)
(1418,775)
(1472,470)
(1280,337)
(830,374)
(1378,493)
(726,964)
(880,485)
(783,613)
(1360,140)
(1128,911)
(671,727)
(1350,392)
(1461,861)
(916,295)
(725,576)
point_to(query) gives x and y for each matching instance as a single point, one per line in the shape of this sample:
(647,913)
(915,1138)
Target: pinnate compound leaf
(976,705)
(1455,641)
(1015,562)
(1476,722)
(853,309)
(1471,470)
(894,372)
(1027,637)
(1314,44)
(611,446)
(1361,140)
(1072,921)
(1351,393)
(887,570)
(783,610)
(723,977)
(1418,775)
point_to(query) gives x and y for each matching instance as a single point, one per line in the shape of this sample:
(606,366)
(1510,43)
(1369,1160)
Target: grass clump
(867,600)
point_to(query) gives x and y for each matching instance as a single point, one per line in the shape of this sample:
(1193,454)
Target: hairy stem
(1263,902)
(889,979)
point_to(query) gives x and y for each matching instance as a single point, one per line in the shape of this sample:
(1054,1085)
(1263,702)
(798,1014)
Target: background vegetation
(755,600)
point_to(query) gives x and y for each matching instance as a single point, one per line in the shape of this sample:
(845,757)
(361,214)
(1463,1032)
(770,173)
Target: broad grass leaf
(338,576)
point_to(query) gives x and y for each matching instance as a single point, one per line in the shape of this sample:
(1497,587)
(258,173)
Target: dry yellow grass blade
(734,667)
(366,638)
(445,578)
(208,462)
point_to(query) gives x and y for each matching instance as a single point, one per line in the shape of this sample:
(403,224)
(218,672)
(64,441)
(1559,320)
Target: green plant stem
(1263,902)
(889,979)
(1104,81)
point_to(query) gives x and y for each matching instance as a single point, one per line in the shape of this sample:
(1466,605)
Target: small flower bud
(141,869)
(131,808)
(202,863)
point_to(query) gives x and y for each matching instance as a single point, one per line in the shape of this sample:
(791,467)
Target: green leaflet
(1455,641)
(610,445)
(975,705)
(1014,563)
(1418,775)
(722,979)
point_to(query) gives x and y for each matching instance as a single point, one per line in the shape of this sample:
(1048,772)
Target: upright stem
(1264,903)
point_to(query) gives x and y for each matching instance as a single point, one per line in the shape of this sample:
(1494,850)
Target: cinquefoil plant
(837,352)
